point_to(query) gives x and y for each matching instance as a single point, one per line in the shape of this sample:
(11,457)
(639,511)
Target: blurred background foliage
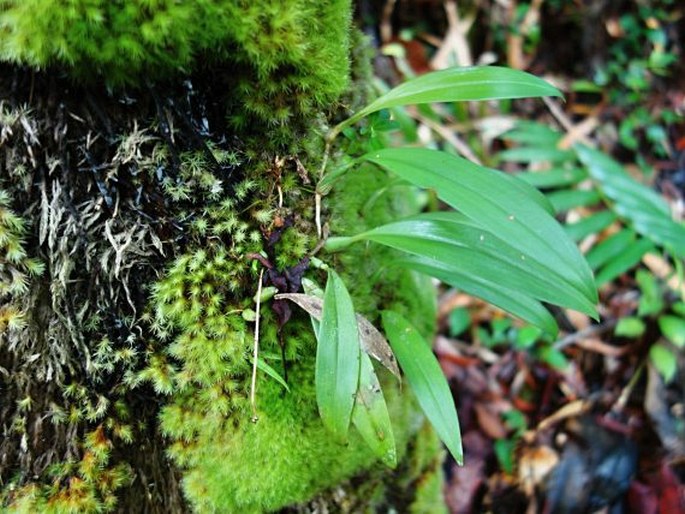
(611,160)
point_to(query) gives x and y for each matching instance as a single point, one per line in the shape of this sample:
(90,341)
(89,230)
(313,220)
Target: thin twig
(255,355)
(449,136)
(322,171)
(628,389)
(558,113)
(590,331)
(386,21)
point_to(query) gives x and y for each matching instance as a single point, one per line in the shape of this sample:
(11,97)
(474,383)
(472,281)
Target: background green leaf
(337,358)
(673,327)
(663,360)
(426,379)
(648,212)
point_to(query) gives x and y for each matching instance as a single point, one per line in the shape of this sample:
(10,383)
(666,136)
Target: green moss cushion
(289,58)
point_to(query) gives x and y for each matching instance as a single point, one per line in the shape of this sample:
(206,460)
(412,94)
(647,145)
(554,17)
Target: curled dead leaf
(372,341)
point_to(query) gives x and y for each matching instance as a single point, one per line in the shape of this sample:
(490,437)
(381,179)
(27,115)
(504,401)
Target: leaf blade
(460,84)
(508,208)
(648,212)
(337,358)
(372,341)
(514,302)
(370,415)
(455,242)
(426,379)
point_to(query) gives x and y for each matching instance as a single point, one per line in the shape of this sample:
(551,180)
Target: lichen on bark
(146,192)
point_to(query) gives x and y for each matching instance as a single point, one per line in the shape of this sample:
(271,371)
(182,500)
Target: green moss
(425,474)
(230,463)
(16,267)
(281,63)
(287,59)
(86,486)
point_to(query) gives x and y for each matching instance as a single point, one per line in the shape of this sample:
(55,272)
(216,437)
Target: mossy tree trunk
(155,160)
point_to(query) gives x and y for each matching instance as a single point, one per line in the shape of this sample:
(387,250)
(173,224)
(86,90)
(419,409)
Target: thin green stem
(255,356)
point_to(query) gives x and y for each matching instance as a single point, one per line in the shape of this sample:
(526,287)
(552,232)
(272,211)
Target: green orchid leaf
(426,379)
(647,212)
(454,242)
(506,207)
(337,358)
(456,85)
(370,415)
(516,302)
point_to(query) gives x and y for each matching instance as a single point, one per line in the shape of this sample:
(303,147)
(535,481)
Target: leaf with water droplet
(370,415)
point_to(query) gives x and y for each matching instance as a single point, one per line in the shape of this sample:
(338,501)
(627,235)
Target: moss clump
(286,59)
(84,486)
(232,464)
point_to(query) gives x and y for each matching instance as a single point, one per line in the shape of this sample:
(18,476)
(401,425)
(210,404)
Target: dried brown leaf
(372,341)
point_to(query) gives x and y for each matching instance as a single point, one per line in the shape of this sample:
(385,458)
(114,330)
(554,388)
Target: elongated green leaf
(370,415)
(516,302)
(648,213)
(533,133)
(266,368)
(506,207)
(528,154)
(590,225)
(459,84)
(571,198)
(337,358)
(454,242)
(624,261)
(426,379)
(611,247)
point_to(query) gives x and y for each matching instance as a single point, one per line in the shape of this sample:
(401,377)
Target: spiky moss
(16,267)
(232,464)
(289,58)
(87,485)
